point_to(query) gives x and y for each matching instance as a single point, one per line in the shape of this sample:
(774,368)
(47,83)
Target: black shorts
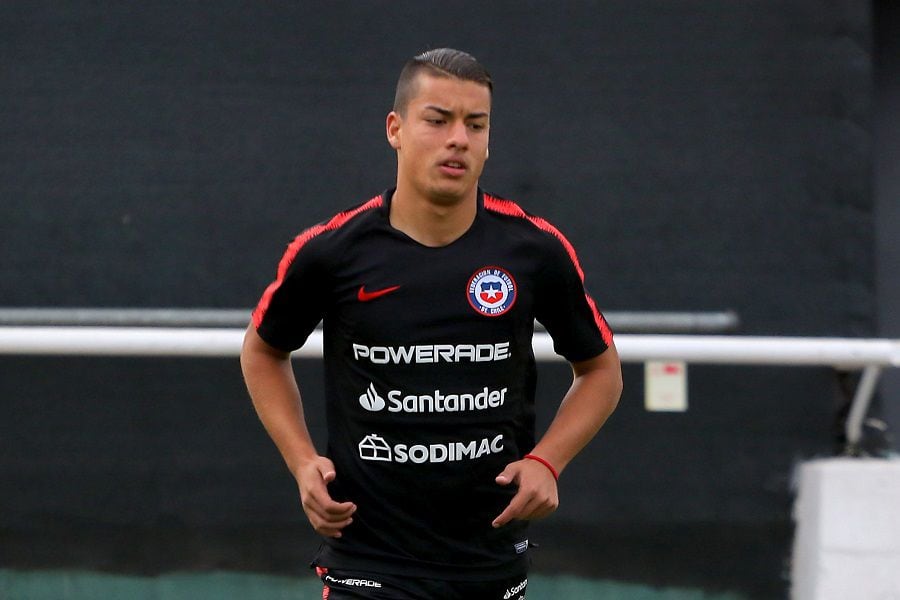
(356,585)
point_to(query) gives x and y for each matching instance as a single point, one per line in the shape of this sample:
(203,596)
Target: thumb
(327,471)
(508,475)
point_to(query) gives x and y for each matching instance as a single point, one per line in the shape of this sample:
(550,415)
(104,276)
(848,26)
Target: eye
(476,126)
(435,121)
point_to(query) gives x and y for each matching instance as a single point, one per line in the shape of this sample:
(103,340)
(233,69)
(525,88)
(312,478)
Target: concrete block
(847,544)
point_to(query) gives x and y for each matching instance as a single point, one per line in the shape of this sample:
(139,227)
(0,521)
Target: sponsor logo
(521,547)
(439,402)
(491,291)
(350,581)
(363,296)
(515,590)
(436,353)
(374,447)
(371,400)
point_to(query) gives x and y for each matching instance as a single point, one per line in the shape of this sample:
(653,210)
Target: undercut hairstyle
(440,62)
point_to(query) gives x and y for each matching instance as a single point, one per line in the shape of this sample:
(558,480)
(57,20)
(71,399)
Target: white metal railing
(840,353)
(868,355)
(621,321)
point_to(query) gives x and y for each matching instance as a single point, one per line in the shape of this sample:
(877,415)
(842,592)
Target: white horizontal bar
(845,353)
(624,321)
(124,317)
(121,341)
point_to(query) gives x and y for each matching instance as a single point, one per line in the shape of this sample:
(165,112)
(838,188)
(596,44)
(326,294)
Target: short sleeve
(565,308)
(293,304)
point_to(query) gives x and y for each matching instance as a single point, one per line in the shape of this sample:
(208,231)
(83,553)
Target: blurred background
(701,156)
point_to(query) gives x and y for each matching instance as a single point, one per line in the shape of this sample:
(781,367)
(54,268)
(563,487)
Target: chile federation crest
(491,291)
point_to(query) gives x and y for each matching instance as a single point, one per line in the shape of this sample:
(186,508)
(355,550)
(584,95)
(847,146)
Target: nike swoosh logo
(365,296)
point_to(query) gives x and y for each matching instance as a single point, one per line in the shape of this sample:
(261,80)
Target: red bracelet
(543,462)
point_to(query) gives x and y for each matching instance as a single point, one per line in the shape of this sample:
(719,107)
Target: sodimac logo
(374,447)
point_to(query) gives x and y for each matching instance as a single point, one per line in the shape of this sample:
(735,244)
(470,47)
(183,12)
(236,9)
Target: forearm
(273,389)
(591,399)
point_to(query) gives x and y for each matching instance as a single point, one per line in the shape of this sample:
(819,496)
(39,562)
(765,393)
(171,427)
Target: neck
(432,222)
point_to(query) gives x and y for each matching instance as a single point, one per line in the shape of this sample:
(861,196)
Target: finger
(533,509)
(538,507)
(318,496)
(332,529)
(330,533)
(320,502)
(326,469)
(327,525)
(503,518)
(332,511)
(508,475)
(512,510)
(336,509)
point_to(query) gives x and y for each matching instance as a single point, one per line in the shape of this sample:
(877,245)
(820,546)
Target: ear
(392,128)
(487,153)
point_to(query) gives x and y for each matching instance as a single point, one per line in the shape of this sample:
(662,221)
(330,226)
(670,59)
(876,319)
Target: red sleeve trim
(510,208)
(337,221)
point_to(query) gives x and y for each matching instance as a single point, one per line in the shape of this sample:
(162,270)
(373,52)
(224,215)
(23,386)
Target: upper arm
(565,308)
(606,362)
(254,345)
(602,375)
(293,304)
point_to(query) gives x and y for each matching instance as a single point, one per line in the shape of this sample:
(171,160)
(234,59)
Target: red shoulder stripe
(510,208)
(337,221)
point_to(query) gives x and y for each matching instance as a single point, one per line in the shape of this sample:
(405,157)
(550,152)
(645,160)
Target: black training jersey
(430,375)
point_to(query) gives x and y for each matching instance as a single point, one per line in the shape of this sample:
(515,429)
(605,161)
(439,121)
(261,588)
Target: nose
(458,135)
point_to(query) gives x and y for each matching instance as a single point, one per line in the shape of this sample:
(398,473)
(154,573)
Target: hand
(326,516)
(537,495)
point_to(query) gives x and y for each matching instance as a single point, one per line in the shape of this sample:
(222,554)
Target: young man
(428,295)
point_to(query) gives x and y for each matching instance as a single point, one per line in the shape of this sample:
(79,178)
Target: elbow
(618,386)
(614,384)
(612,388)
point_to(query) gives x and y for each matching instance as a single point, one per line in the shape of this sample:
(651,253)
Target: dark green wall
(700,155)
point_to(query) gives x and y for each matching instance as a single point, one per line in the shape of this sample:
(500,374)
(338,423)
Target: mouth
(454,168)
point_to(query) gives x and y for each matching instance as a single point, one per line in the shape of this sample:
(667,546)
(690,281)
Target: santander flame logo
(371,400)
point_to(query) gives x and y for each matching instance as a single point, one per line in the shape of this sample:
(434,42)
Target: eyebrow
(449,113)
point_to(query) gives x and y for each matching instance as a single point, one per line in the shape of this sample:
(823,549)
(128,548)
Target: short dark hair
(440,62)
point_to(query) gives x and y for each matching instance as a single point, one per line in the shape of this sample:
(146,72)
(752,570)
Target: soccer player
(428,295)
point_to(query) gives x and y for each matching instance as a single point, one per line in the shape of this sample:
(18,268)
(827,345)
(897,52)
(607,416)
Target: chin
(449,195)
(444,198)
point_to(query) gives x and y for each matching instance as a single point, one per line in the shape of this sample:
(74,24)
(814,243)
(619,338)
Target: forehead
(450,93)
